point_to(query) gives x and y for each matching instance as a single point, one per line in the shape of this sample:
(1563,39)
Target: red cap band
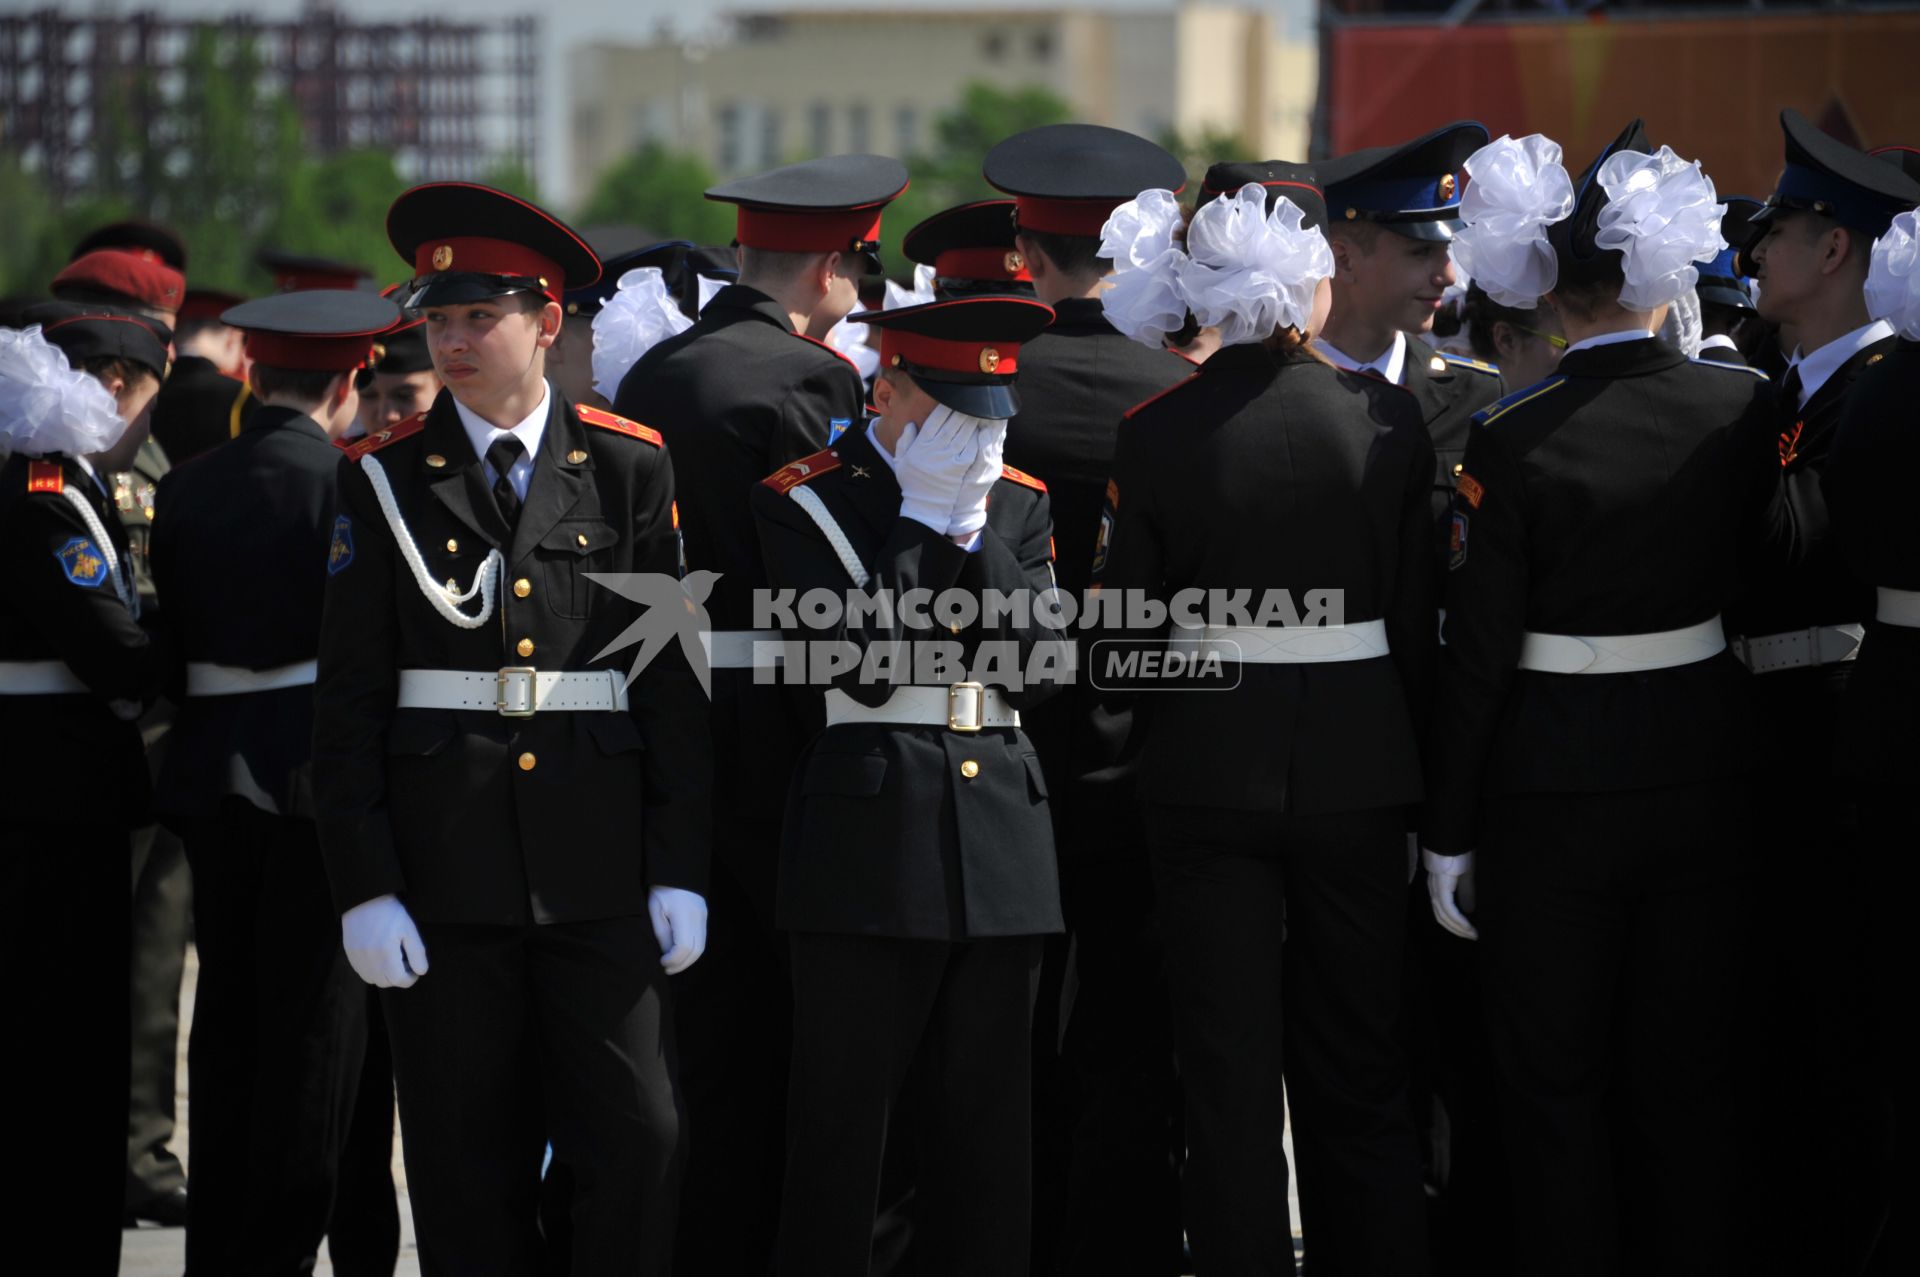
(132,272)
(309,354)
(1064,217)
(307,279)
(782,230)
(981,263)
(482,256)
(1001,358)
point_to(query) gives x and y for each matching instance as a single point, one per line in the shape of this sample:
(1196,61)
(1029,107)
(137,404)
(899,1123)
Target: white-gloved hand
(679,924)
(1450,887)
(931,460)
(970,506)
(383,946)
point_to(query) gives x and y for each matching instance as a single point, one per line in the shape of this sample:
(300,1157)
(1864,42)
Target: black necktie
(1790,389)
(503,454)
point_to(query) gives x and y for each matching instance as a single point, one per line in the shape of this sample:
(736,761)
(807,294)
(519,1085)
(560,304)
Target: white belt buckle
(513,689)
(966,706)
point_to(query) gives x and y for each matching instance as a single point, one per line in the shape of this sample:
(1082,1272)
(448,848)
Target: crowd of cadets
(322,600)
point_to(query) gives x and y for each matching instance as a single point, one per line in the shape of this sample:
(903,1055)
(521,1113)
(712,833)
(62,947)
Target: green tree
(660,191)
(336,206)
(1199,151)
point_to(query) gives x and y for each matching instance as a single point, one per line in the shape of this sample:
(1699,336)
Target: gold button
(1459,468)
(1437,364)
(524,647)
(526,762)
(576,456)
(522,588)
(436,461)
(453,586)
(581,538)
(969,769)
(453,546)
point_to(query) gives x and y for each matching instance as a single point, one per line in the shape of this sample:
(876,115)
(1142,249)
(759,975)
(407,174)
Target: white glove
(679,924)
(970,507)
(383,946)
(1450,887)
(931,461)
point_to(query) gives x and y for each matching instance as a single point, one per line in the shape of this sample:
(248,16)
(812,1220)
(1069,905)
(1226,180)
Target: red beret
(134,273)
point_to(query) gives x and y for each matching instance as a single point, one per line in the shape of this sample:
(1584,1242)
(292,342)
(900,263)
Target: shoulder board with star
(619,425)
(792,475)
(831,351)
(46,476)
(1501,407)
(1148,403)
(1461,361)
(381,438)
(1745,368)
(1022,478)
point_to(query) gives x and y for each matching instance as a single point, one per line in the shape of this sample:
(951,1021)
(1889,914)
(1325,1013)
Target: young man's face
(900,401)
(1394,281)
(392,397)
(1792,260)
(486,351)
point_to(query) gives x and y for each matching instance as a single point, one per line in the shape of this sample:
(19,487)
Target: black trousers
(1322,1008)
(946,1026)
(520,1035)
(279,1030)
(363,1238)
(64,919)
(1609,926)
(162,909)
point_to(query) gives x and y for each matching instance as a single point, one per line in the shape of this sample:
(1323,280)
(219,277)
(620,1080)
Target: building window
(772,129)
(820,128)
(859,128)
(906,131)
(726,127)
(1043,46)
(993,46)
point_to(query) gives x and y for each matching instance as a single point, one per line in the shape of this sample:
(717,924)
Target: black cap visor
(462,288)
(994,400)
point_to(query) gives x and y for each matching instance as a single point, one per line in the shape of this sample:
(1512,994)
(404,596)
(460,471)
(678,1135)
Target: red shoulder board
(830,350)
(45,476)
(1022,478)
(381,438)
(788,477)
(619,425)
(1128,415)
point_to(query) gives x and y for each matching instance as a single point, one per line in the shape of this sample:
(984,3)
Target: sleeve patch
(1470,488)
(340,553)
(619,425)
(1457,542)
(45,476)
(788,477)
(1022,478)
(837,426)
(83,562)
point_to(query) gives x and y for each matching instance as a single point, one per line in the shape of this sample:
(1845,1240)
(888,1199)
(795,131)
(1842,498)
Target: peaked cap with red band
(828,205)
(468,243)
(92,331)
(1298,182)
(319,330)
(1066,179)
(964,351)
(137,274)
(297,273)
(971,250)
(207,303)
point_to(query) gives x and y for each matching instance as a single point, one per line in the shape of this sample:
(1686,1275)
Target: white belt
(1621,653)
(207,679)
(961,707)
(515,692)
(1292,645)
(1798,649)
(38,678)
(735,649)
(1897,607)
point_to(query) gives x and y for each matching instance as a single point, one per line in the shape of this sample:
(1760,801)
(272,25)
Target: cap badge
(1447,186)
(1015,263)
(989,360)
(443,257)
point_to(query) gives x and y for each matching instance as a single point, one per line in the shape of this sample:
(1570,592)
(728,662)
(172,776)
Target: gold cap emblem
(1015,263)
(989,360)
(443,257)
(1447,186)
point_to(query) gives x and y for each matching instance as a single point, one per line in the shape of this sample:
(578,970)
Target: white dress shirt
(531,429)
(1390,364)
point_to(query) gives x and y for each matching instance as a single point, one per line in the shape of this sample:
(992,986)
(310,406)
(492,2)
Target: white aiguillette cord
(817,511)
(128,595)
(444,600)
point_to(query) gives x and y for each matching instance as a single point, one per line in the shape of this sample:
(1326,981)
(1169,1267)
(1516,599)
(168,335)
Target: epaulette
(1128,414)
(830,350)
(1461,361)
(792,475)
(1184,355)
(1746,368)
(1022,478)
(1500,407)
(381,438)
(619,425)
(46,476)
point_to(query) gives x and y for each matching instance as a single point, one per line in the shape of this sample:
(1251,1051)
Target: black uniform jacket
(887,832)
(1876,453)
(76,756)
(1264,474)
(1450,389)
(196,408)
(1723,355)
(738,395)
(470,816)
(240,538)
(1616,497)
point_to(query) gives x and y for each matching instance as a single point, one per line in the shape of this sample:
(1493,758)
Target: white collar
(879,447)
(1719,341)
(1390,363)
(530,430)
(1608,339)
(1820,365)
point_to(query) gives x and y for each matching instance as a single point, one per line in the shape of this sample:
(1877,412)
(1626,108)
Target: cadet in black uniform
(1283,796)
(398,382)
(240,554)
(742,393)
(972,251)
(205,401)
(1591,739)
(917,868)
(490,790)
(1728,320)
(76,669)
(1798,626)
(1106,1146)
(301,272)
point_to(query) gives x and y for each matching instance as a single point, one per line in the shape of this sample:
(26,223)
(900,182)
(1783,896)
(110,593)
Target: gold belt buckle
(962,697)
(513,691)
